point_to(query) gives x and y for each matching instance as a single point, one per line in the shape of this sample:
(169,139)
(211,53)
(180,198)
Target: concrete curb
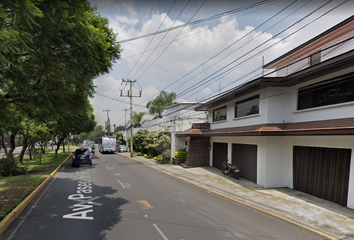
(5,223)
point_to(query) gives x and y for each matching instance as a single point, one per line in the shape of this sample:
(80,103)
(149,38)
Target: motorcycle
(229,169)
(93,151)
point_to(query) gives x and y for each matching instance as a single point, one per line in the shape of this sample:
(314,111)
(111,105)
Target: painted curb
(6,222)
(243,203)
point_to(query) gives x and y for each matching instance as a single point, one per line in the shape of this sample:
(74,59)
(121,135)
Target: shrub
(179,154)
(8,167)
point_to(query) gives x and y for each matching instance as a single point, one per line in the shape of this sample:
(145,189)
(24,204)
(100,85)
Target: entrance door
(244,156)
(322,172)
(219,154)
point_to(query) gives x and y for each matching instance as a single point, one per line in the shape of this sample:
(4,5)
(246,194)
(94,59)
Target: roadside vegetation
(14,189)
(51,53)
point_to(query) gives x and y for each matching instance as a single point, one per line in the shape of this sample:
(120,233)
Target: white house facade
(177,118)
(296,129)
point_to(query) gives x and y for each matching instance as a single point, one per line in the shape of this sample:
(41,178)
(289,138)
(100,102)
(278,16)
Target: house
(176,118)
(294,129)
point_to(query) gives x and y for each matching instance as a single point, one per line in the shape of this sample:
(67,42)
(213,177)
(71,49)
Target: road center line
(121,183)
(161,233)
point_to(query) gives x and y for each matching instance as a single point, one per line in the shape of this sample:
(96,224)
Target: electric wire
(146,48)
(200,20)
(171,42)
(218,54)
(340,45)
(197,85)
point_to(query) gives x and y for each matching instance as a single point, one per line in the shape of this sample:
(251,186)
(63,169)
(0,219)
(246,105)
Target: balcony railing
(321,56)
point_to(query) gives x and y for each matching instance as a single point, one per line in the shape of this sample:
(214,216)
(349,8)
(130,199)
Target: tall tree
(138,118)
(56,50)
(163,100)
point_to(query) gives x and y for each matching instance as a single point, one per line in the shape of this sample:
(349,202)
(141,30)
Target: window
(247,107)
(220,114)
(334,91)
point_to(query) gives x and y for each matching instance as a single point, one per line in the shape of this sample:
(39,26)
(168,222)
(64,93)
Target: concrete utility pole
(130,95)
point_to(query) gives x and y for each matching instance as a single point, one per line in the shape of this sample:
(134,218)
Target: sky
(200,48)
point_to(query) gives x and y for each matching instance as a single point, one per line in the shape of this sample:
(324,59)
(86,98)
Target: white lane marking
(121,183)
(161,233)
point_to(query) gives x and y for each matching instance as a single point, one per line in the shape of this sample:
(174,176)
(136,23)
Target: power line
(217,54)
(152,39)
(200,20)
(171,42)
(195,86)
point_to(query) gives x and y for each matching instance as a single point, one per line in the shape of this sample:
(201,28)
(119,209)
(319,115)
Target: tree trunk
(12,143)
(3,143)
(24,147)
(63,146)
(61,139)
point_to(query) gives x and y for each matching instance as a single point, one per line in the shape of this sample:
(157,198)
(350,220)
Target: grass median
(14,189)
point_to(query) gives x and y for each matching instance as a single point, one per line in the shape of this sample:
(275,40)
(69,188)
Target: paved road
(119,198)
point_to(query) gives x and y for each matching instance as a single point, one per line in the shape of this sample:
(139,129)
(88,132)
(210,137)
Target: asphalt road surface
(119,198)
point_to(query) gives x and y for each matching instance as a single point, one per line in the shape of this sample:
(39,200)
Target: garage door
(219,154)
(244,156)
(322,172)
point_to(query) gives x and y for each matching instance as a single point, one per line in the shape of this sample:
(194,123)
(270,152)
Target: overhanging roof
(343,126)
(328,38)
(332,65)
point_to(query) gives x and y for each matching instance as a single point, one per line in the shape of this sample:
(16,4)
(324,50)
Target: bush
(159,158)
(8,167)
(179,154)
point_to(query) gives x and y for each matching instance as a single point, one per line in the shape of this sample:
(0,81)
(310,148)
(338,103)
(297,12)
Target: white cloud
(129,21)
(204,41)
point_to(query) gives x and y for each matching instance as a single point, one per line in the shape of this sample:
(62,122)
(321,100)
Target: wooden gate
(219,154)
(322,172)
(244,156)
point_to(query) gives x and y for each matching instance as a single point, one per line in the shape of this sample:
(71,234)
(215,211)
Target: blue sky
(184,60)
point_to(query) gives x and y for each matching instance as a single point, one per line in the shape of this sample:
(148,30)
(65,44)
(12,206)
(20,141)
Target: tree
(119,128)
(108,127)
(139,140)
(137,118)
(74,124)
(51,52)
(163,100)
(97,133)
(119,138)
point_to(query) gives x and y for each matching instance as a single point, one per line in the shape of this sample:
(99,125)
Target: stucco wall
(275,156)
(278,105)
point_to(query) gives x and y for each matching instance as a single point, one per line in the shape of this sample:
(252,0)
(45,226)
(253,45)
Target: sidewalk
(291,205)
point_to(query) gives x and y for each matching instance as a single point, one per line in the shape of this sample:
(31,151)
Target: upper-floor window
(247,107)
(220,114)
(333,91)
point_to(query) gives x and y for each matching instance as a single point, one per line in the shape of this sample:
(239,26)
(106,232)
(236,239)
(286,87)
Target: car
(122,148)
(81,156)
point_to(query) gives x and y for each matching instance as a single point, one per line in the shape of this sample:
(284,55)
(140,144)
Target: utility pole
(108,122)
(130,95)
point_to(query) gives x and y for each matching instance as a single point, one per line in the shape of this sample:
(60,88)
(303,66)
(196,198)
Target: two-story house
(294,129)
(176,118)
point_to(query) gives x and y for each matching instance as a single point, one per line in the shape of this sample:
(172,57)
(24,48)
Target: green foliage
(157,105)
(137,119)
(8,167)
(139,140)
(119,138)
(179,154)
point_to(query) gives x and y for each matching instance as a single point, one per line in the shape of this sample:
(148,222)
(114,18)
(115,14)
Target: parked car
(122,148)
(82,156)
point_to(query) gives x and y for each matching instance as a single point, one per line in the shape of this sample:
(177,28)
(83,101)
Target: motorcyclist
(93,149)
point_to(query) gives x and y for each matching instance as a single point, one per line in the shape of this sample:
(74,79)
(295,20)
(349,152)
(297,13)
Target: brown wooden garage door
(244,156)
(219,154)
(322,172)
